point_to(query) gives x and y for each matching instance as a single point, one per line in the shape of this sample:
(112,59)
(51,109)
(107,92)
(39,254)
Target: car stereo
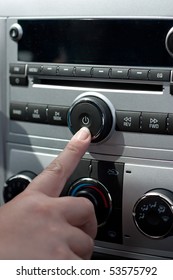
(114,76)
(2,104)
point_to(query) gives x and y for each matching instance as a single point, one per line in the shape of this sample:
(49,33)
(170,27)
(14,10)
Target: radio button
(18,111)
(100,72)
(57,115)
(154,122)
(34,69)
(17,69)
(49,70)
(37,113)
(159,75)
(18,81)
(65,70)
(128,121)
(119,73)
(138,74)
(83,71)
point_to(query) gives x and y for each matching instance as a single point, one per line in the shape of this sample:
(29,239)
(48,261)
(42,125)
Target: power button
(94,112)
(85,120)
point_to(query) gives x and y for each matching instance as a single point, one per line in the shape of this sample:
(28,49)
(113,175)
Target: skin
(38,224)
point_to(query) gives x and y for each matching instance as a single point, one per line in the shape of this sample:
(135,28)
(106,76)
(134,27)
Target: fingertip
(82,134)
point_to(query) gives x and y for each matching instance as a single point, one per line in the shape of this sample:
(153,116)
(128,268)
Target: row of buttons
(39,113)
(147,122)
(92,72)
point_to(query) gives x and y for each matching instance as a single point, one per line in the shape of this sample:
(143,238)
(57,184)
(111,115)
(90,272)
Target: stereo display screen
(132,42)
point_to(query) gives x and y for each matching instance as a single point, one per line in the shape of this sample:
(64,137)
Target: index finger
(52,180)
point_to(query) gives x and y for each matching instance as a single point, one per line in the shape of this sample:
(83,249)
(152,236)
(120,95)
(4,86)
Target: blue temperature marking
(79,187)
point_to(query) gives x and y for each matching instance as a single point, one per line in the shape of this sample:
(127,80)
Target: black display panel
(126,42)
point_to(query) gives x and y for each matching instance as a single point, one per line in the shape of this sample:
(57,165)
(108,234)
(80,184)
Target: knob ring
(17,29)
(85,96)
(91,181)
(170,32)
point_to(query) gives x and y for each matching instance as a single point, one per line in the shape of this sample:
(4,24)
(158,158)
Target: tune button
(16,32)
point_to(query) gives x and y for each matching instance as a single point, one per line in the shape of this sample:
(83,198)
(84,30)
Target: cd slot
(99,84)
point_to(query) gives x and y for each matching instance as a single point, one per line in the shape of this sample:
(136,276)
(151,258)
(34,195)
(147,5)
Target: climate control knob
(94,111)
(97,194)
(153,213)
(16,184)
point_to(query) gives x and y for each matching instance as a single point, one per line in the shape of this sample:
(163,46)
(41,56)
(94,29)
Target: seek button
(154,122)
(128,121)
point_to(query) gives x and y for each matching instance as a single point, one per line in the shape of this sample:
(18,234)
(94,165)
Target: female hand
(38,224)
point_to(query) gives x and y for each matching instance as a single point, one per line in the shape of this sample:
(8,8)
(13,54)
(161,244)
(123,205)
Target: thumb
(52,180)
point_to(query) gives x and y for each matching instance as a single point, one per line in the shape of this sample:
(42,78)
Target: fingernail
(82,134)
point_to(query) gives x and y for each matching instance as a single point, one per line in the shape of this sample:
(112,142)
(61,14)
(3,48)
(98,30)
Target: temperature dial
(16,184)
(153,213)
(97,194)
(94,111)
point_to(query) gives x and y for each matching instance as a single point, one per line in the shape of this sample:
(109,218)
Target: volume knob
(94,111)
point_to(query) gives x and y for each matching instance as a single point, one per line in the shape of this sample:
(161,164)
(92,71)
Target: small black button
(83,71)
(18,111)
(49,70)
(154,122)
(65,70)
(34,69)
(37,113)
(86,114)
(159,75)
(119,73)
(100,72)
(17,69)
(128,121)
(138,74)
(57,115)
(18,81)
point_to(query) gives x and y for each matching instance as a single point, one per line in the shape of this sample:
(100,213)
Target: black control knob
(169,42)
(97,194)
(16,32)
(16,184)
(153,213)
(94,111)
